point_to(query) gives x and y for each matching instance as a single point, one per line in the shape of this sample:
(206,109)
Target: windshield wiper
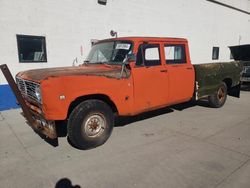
(104,63)
(86,62)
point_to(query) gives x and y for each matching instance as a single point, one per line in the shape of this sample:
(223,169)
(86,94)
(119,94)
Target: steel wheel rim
(94,125)
(221,94)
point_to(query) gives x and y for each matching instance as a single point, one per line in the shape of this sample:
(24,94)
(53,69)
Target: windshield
(113,52)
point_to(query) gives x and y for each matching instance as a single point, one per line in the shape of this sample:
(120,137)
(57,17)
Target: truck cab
(162,73)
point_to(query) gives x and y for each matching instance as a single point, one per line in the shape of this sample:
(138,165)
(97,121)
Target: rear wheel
(219,98)
(90,124)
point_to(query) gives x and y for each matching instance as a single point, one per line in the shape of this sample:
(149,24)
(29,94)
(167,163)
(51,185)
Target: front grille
(28,88)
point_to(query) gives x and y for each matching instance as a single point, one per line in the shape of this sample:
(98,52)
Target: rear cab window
(175,54)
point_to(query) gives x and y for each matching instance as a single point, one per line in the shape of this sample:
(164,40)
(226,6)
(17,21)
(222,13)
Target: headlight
(38,93)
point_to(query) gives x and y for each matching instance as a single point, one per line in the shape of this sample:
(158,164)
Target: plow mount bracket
(35,124)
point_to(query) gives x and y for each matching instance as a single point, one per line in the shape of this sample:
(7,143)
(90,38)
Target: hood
(37,75)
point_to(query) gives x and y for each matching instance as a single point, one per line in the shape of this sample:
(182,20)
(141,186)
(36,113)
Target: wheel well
(228,82)
(101,97)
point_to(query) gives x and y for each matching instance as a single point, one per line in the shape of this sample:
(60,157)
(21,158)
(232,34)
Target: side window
(152,54)
(148,55)
(175,54)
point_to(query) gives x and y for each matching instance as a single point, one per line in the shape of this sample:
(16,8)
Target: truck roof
(147,39)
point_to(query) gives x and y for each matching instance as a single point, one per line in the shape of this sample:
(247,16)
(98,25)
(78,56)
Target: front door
(150,78)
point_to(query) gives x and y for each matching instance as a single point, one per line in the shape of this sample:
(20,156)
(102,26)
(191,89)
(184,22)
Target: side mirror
(129,58)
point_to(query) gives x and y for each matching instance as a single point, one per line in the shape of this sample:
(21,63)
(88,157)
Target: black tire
(90,124)
(219,98)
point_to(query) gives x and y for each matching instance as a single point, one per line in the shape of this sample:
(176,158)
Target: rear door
(180,72)
(150,78)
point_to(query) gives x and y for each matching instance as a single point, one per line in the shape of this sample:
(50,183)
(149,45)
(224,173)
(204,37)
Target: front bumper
(35,120)
(42,126)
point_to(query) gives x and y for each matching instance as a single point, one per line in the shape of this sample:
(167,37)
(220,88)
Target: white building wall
(68,25)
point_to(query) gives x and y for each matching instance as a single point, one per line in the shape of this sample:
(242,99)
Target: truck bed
(208,76)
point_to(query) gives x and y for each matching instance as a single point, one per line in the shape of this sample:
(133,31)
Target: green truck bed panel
(210,75)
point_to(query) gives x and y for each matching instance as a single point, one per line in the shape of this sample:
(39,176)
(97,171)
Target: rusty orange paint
(140,89)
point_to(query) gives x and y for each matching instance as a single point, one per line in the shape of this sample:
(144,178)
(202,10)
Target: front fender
(58,97)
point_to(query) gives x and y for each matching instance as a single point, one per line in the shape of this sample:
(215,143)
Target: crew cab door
(180,72)
(150,78)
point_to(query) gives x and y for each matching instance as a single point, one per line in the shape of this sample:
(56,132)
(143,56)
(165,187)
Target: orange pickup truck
(124,77)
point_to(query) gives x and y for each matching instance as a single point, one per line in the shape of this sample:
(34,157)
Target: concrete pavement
(185,146)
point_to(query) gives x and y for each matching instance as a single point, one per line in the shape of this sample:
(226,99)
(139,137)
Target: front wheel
(219,98)
(90,124)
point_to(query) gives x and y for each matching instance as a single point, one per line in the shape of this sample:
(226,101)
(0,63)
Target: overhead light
(102,2)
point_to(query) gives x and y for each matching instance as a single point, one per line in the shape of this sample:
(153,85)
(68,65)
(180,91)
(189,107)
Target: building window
(102,2)
(31,49)
(215,54)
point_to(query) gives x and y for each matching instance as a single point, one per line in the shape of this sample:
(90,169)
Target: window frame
(43,39)
(216,50)
(182,61)
(142,48)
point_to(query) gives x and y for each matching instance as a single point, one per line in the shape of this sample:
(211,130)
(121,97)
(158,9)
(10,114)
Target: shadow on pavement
(52,142)
(65,183)
(125,120)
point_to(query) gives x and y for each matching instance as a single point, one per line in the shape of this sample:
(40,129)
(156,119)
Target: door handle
(164,70)
(189,68)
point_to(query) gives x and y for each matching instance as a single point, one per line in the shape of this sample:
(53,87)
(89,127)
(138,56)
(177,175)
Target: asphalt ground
(185,146)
